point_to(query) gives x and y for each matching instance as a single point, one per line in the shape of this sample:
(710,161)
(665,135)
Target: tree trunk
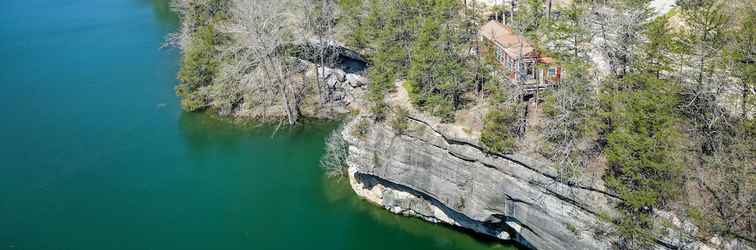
(282,86)
(744,99)
(701,60)
(287,105)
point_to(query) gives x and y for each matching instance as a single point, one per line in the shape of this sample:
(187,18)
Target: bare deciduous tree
(335,157)
(620,24)
(261,31)
(321,22)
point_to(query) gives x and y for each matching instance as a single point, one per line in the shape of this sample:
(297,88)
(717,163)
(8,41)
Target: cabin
(514,53)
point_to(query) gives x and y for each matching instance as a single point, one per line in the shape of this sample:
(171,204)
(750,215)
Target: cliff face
(435,172)
(426,173)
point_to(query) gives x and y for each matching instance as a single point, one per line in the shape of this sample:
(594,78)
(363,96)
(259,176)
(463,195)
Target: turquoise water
(96,153)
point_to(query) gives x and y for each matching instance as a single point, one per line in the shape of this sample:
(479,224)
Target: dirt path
(468,122)
(534,131)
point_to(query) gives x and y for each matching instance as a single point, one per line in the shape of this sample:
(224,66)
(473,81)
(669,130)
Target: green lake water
(96,154)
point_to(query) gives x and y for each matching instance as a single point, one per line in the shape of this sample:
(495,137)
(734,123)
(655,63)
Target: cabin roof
(507,39)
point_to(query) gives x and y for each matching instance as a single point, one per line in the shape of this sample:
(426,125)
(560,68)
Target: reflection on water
(206,134)
(445,236)
(163,13)
(203,132)
(420,228)
(202,129)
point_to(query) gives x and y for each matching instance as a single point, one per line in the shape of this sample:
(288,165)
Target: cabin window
(529,70)
(552,72)
(499,55)
(509,63)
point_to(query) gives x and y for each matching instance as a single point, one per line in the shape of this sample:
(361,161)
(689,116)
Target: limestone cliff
(426,172)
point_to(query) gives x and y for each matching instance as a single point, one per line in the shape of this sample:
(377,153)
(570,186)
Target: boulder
(356,81)
(337,74)
(332,82)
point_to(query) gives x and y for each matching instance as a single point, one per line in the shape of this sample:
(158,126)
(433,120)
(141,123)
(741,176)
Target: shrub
(501,129)
(378,110)
(193,102)
(199,65)
(203,12)
(198,69)
(572,228)
(335,157)
(399,121)
(441,106)
(361,129)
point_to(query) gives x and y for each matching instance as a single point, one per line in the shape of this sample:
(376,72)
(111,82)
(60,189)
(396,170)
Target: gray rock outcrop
(425,173)
(341,92)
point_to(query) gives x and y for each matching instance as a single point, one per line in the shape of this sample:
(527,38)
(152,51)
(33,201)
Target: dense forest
(661,104)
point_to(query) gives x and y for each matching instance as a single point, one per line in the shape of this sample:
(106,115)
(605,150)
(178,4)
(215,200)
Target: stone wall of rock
(423,173)
(426,173)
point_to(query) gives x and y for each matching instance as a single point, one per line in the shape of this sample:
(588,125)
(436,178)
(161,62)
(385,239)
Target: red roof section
(507,39)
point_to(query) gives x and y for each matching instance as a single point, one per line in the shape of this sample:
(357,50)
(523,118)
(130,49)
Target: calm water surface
(96,154)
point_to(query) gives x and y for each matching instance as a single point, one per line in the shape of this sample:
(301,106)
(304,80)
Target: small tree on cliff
(335,157)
